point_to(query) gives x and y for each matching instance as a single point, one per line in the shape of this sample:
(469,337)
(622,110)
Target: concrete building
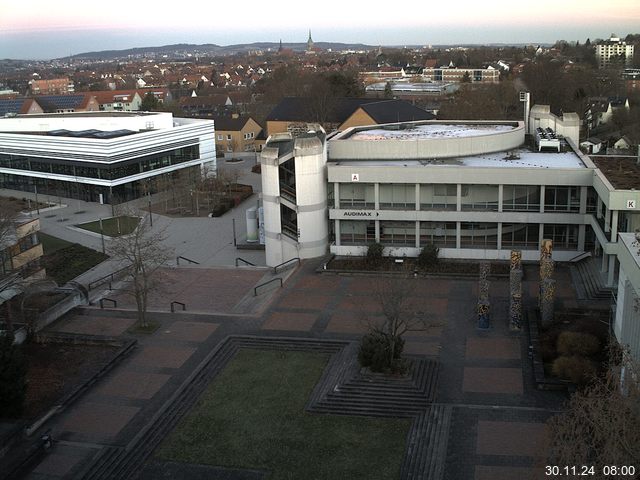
(101,156)
(452,74)
(614,51)
(236,134)
(20,252)
(53,86)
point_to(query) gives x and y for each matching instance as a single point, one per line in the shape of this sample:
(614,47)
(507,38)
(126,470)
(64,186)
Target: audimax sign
(360,213)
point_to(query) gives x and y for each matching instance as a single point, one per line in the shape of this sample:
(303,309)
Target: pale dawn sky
(42,29)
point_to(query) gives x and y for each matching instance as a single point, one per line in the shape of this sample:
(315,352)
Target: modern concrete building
(475,189)
(100,156)
(612,51)
(452,74)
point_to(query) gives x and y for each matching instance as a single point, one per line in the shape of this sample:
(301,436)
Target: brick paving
(498,414)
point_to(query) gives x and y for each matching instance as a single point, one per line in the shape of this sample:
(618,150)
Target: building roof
(230,124)
(14,106)
(622,172)
(298,109)
(51,103)
(390,111)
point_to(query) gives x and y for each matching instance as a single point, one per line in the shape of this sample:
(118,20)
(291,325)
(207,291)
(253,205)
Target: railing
(107,279)
(114,303)
(290,230)
(187,259)
(238,259)
(287,192)
(579,257)
(173,306)
(255,290)
(296,259)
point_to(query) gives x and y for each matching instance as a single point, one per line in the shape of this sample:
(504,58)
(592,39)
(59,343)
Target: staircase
(590,283)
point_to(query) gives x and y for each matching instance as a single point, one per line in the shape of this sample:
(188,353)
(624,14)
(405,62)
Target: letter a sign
(355,177)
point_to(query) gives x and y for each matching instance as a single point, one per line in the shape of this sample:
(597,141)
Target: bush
(13,372)
(428,256)
(375,353)
(577,343)
(374,255)
(574,368)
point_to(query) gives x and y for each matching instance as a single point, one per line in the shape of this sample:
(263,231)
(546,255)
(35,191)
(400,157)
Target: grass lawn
(252,416)
(64,260)
(113,227)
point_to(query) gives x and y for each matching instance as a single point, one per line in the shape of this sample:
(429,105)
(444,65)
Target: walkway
(497,415)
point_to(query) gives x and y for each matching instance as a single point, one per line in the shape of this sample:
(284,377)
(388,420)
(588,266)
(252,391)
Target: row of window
(106,172)
(473,197)
(246,136)
(472,234)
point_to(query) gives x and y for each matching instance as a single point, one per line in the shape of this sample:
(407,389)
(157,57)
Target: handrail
(255,290)
(184,307)
(275,269)
(580,257)
(187,259)
(110,277)
(245,261)
(114,302)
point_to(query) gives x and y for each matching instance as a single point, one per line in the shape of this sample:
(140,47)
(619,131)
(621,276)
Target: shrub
(577,343)
(575,368)
(374,255)
(428,256)
(13,372)
(375,353)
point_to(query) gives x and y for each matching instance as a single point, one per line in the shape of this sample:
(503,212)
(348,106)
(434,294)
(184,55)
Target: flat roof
(430,131)
(83,114)
(519,158)
(622,172)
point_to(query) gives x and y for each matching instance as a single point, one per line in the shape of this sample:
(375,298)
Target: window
(398,196)
(228,136)
(220,137)
(562,199)
(480,197)
(354,232)
(521,198)
(401,234)
(520,235)
(441,234)
(438,197)
(564,237)
(357,195)
(479,235)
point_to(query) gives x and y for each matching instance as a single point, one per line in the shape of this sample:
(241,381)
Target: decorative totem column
(515,289)
(546,265)
(483,307)
(548,290)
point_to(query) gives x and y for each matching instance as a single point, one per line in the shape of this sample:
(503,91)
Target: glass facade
(357,195)
(441,234)
(565,237)
(521,198)
(479,235)
(438,196)
(354,232)
(398,196)
(480,197)
(399,234)
(520,235)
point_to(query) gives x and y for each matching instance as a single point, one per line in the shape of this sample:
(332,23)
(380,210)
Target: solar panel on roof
(10,106)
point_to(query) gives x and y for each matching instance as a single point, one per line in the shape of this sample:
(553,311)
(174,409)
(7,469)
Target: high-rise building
(614,51)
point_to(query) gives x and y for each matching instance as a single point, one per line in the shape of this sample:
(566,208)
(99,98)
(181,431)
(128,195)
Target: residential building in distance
(451,74)
(101,156)
(53,86)
(21,251)
(612,51)
(79,102)
(118,100)
(293,114)
(236,134)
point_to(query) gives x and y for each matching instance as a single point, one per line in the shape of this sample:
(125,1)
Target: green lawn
(64,261)
(113,227)
(252,416)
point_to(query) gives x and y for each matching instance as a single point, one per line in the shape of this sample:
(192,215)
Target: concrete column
(607,221)
(540,234)
(599,208)
(500,201)
(603,267)
(377,230)
(417,233)
(337,231)
(459,198)
(583,199)
(417,196)
(582,234)
(612,271)
(336,195)
(614,225)
(458,227)
(542,194)
(376,196)
(500,230)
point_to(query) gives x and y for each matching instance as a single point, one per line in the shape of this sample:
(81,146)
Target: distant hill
(182,50)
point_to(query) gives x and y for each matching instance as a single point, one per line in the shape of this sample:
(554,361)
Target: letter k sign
(631,204)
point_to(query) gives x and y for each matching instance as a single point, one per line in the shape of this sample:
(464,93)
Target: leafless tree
(601,426)
(8,277)
(396,297)
(145,252)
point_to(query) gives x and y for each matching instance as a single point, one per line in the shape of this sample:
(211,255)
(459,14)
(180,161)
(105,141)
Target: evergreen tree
(13,372)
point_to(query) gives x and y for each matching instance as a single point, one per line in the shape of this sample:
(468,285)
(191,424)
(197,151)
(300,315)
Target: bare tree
(397,298)
(8,277)
(145,252)
(601,426)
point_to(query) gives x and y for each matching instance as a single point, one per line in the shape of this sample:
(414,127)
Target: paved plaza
(497,427)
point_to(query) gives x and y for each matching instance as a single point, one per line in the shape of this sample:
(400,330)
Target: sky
(45,29)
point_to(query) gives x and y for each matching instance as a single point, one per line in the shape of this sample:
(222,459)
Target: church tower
(309,43)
